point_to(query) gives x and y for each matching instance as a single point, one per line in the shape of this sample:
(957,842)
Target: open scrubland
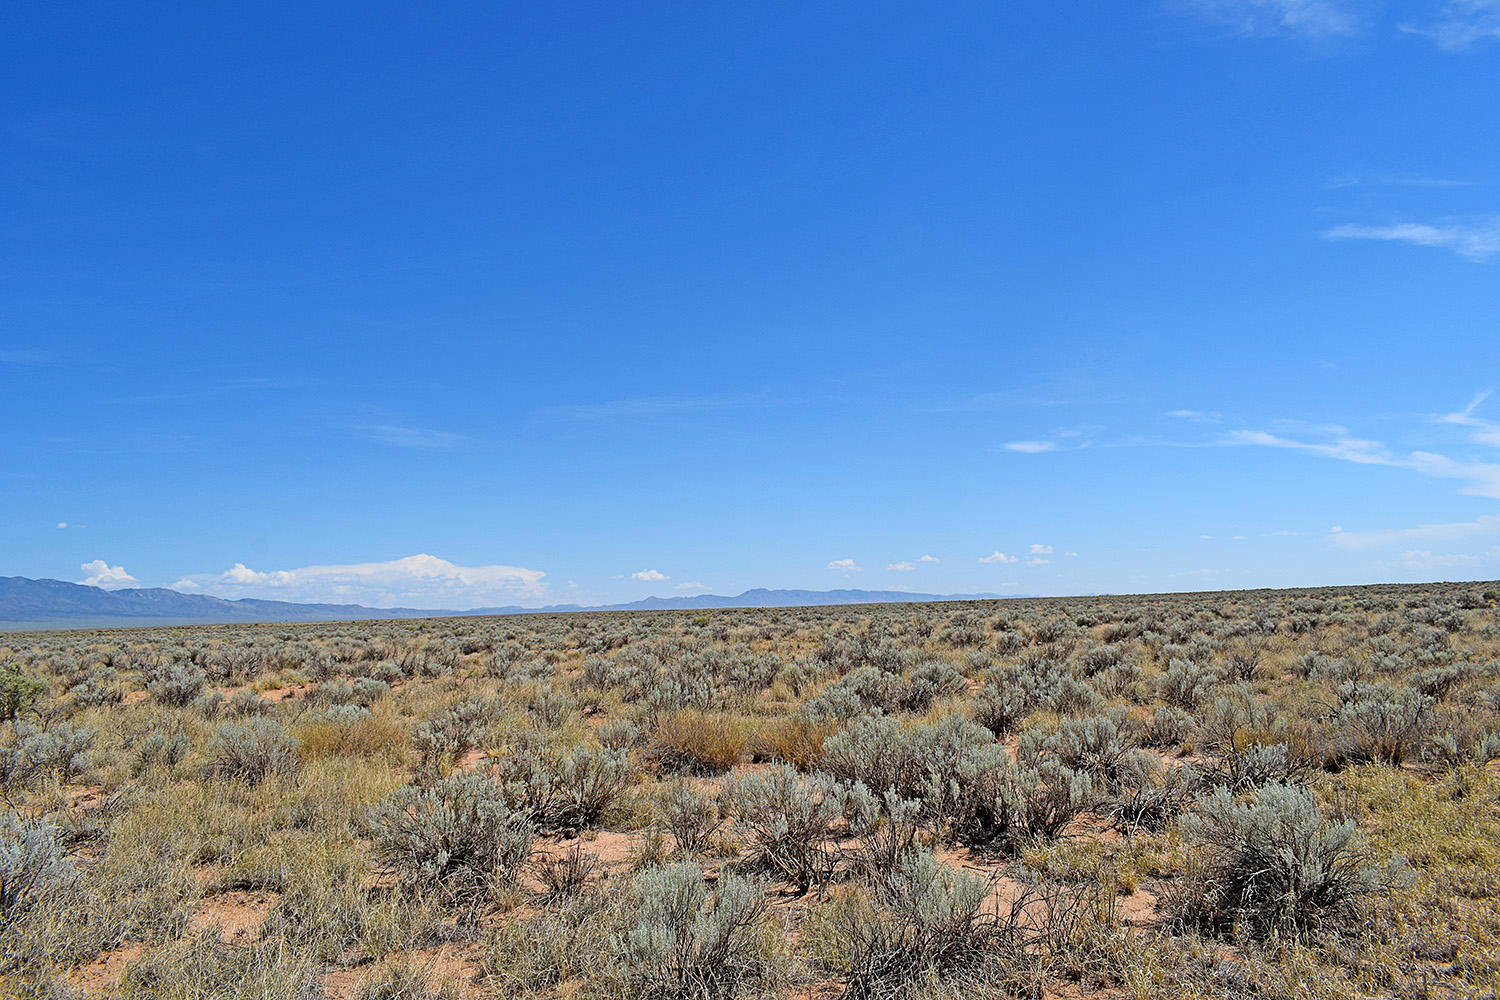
(1256,794)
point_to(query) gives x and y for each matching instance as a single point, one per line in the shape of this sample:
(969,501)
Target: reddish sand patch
(1139,908)
(236,915)
(102,975)
(290,691)
(451,965)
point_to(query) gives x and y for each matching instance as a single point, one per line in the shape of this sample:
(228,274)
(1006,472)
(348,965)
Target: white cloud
(1198,416)
(1206,537)
(692,585)
(1487,524)
(845,566)
(419,581)
(1480,478)
(1038,549)
(1037,561)
(902,567)
(102,574)
(1259,18)
(412,437)
(1481,431)
(1428,561)
(648,576)
(1030,447)
(1461,24)
(1476,241)
(930,559)
(998,557)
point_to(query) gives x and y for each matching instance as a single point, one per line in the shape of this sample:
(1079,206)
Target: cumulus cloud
(1037,561)
(648,576)
(902,567)
(998,557)
(931,559)
(419,581)
(1476,241)
(1038,549)
(101,574)
(65,525)
(845,566)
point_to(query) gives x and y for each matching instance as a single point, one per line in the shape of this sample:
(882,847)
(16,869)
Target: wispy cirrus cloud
(1476,241)
(1487,524)
(419,581)
(411,437)
(28,357)
(1480,478)
(1031,447)
(648,406)
(1481,431)
(1276,18)
(1461,24)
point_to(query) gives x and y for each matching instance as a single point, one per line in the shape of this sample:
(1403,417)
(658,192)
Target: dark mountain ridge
(53,603)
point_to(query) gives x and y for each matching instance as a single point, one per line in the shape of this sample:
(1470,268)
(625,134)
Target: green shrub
(687,942)
(690,814)
(923,921)
(18,692)
(251,751)
(562,792)
(176,684)
(33,864)
(1275,862)
(1381,722)
(60,752)
(790,819)
(460,833)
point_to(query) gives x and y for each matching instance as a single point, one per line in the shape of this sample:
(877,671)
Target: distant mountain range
(54,603)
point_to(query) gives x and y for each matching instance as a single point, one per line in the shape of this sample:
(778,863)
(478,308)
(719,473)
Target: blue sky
(525,304)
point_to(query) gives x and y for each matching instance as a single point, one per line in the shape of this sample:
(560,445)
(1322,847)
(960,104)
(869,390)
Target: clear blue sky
(590,302)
